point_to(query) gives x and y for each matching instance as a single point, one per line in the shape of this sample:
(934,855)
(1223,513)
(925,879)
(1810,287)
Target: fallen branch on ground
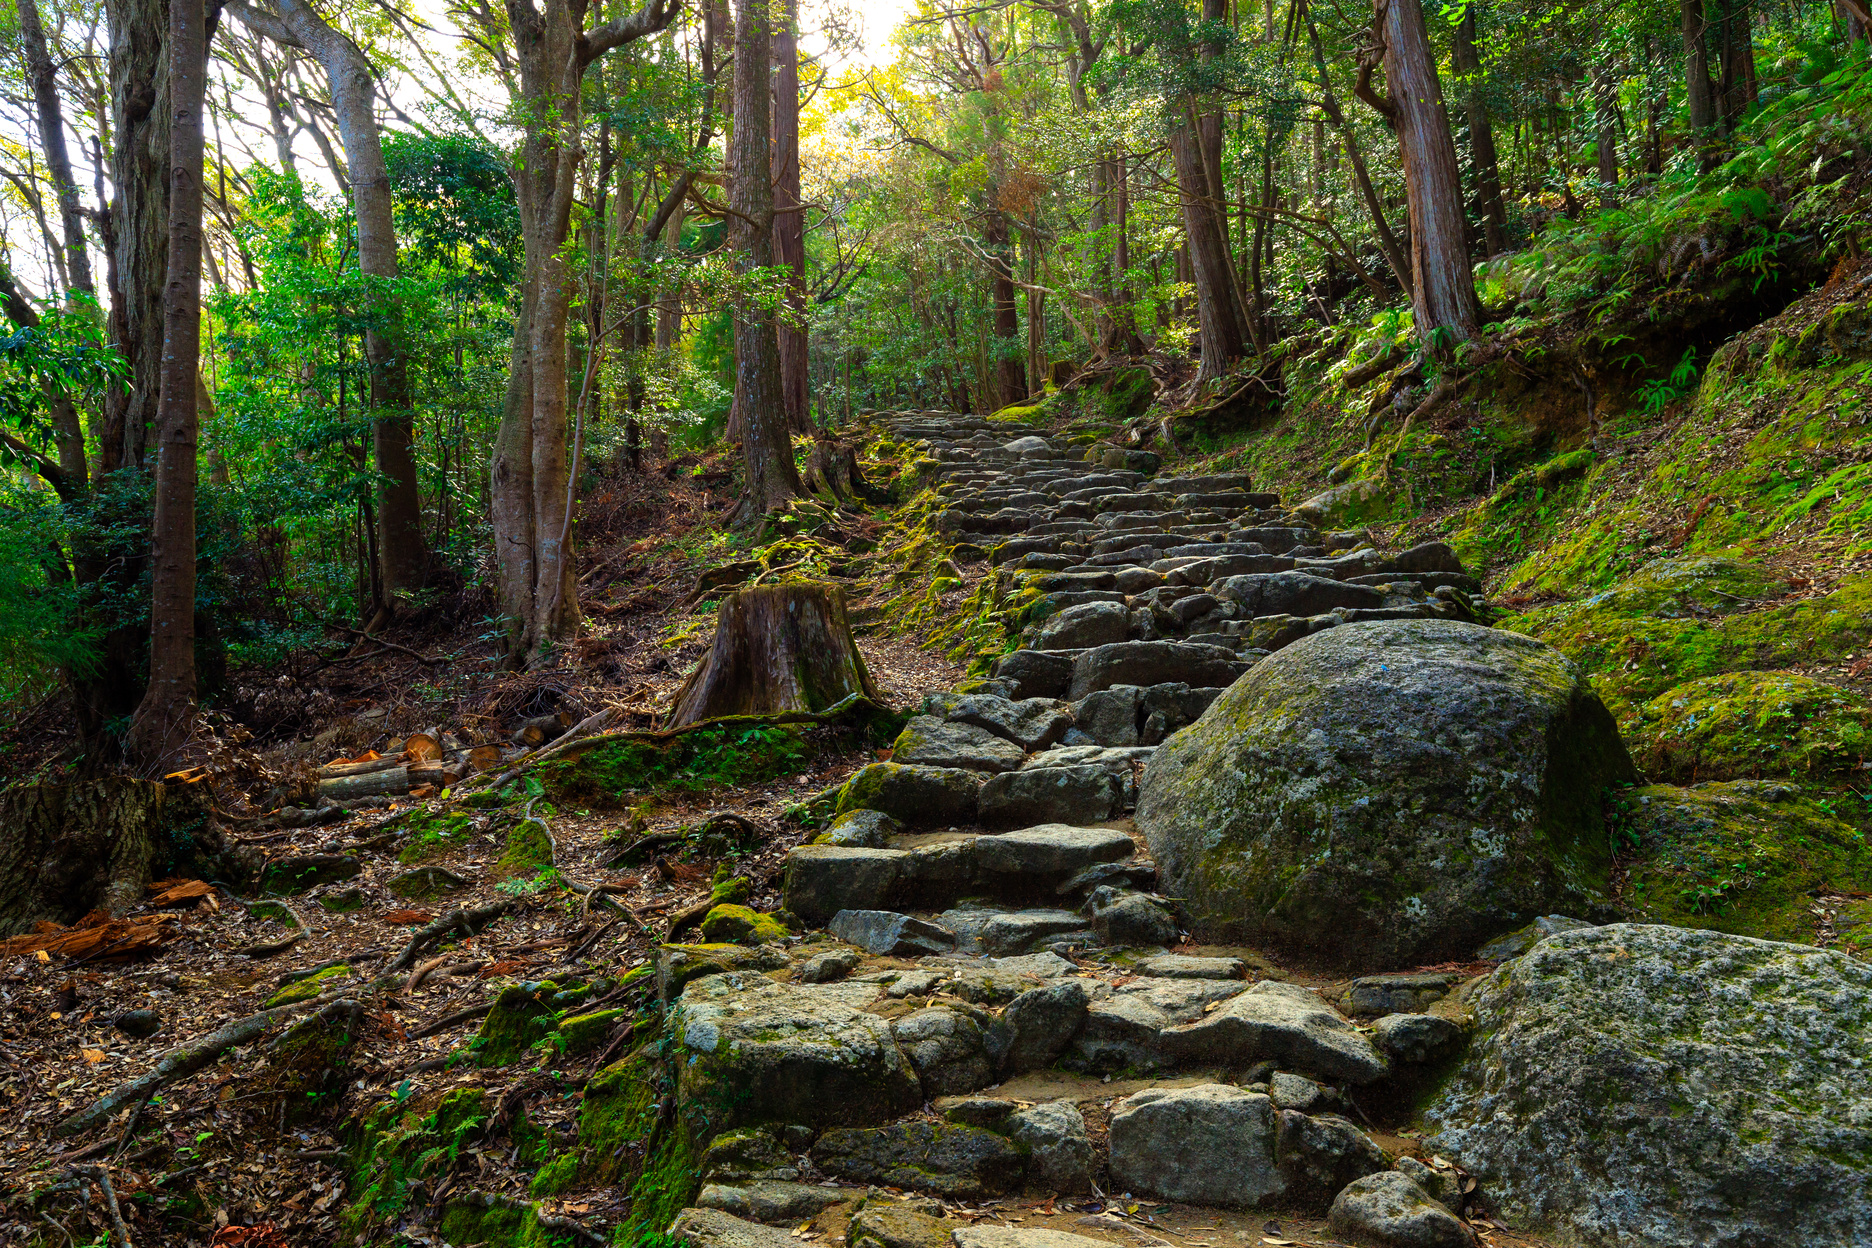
(468,921)
(449,1020)
(184,1060)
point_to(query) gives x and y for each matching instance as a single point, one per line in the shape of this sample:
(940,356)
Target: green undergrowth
(696,761)
(1740,856)
(428,832)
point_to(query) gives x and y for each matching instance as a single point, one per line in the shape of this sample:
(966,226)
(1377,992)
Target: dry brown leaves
(265,1235)
(408,918)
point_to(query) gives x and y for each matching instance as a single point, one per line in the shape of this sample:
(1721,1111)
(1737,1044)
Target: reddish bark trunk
(789,227)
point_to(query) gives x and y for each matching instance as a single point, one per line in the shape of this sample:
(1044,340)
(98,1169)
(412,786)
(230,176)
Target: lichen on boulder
(1388,794)
(1645,1084)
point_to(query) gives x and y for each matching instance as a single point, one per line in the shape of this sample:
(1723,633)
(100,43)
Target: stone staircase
(986,911)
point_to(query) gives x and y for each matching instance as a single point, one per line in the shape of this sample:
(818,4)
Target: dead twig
(447,1021)
(467,921)
(391,645)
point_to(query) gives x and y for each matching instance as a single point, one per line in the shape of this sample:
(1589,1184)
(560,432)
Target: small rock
(1135,921)
(916,795)
(1182,966)
(748,1153)
(821,880)
(1207,1145)
(1516,943)
(1416,1037)
(978,1111)
(947,1049)
(1320,1155)
(929,741)
(961,1163)
(1397,994)
(343,900)
(916,984)
(308,871)
(898,1224)
(711,1228)
(1069,795)
(1282,1022)
(1294,1092)
(1059,1154)
(1022,1237)
(823,968)
(1036,1028)
(1392,1211)
(1050,851)
(1086,625)
(891,934)
(139,1023)
(864,829)
(769,1201)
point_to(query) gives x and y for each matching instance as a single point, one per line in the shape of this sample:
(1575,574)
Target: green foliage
(706,758)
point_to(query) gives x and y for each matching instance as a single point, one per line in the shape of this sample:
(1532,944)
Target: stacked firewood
(427,762)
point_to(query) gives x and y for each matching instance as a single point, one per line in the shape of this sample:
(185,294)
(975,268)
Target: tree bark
(403,558)
(1702,99)
(1443,292)
(789,228)
(1739,90)
(776,648)
(165,719)
(139,224)
(1605,121)
(1009,374)
(52,141)
(1484,162)
(73,849)
(1361,175)
(766,443)
(1220,321)
(530,480)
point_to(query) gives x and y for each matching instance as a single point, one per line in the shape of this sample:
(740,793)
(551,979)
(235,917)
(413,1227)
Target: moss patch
(432,832)
(1738,856)
(273,910)
(742,925)
(1753,724)
(307,988)
(520,1019)
(555,1176)
(401,1142)
(529,851)
(704,759)
(582,1033)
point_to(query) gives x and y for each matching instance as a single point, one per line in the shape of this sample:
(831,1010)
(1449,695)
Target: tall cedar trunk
(530,478)
(139,223)
(766,443)
(1738,62)
(1484,163)
(1099,226)
(1696,69)
(52,142)
(1854,21)
(1605,121)
(789,227)
(1223,328)
(1443,292)
(776,648)
(1010,376)
(1036,315)
(72,849)
(403,558)
(165,720)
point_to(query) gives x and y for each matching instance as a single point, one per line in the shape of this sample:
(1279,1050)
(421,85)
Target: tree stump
(777,648)
(69,849)
(832,474)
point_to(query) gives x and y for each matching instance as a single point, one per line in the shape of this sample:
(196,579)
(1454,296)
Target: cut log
(331,771)
(392,781)
(776,648)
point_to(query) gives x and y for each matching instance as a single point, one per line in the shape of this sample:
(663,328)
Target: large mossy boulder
(1674,1088)
(1388,794)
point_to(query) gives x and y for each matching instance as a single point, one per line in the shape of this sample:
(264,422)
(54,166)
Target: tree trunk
(1696,70)
(1220,322)
(1036,315)
(776,648)
(1605,121)
(165,719)
(1854,22)
(1443,292)
(73,849)
(52,141)
(766,443)
(789,227)
(403,550)
(1009,374)
(1739,89)
(1361,175)
(1484,163)
(139,224)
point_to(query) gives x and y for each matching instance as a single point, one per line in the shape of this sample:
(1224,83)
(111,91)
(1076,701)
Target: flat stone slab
(1051,851)
(1001,933)
(1182,966)
(1284,1022)
(886,932)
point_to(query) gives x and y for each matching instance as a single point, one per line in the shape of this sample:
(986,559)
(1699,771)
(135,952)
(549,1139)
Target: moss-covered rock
(528,851)
(1753,724)
(581,1033)
(555,1176)
(680,965)
(522,1017)
(308,871)
(307,988)
(425,882)
(273,910)
(742,925)
(917,797)
(1388,794)
(1739,856)
(343,900)
(305,1067)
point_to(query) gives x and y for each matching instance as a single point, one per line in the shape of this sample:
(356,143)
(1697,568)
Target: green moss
(582,1033)
(741,925)
(273,910)
(555,1176)
(292,876)
(617,1116)
(1739,856)
(529,851)
(1753,724)
(401,1142)
(431,832)
(520,1019)
(707,758)
(307,988)
(343,901)
(306,1068)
